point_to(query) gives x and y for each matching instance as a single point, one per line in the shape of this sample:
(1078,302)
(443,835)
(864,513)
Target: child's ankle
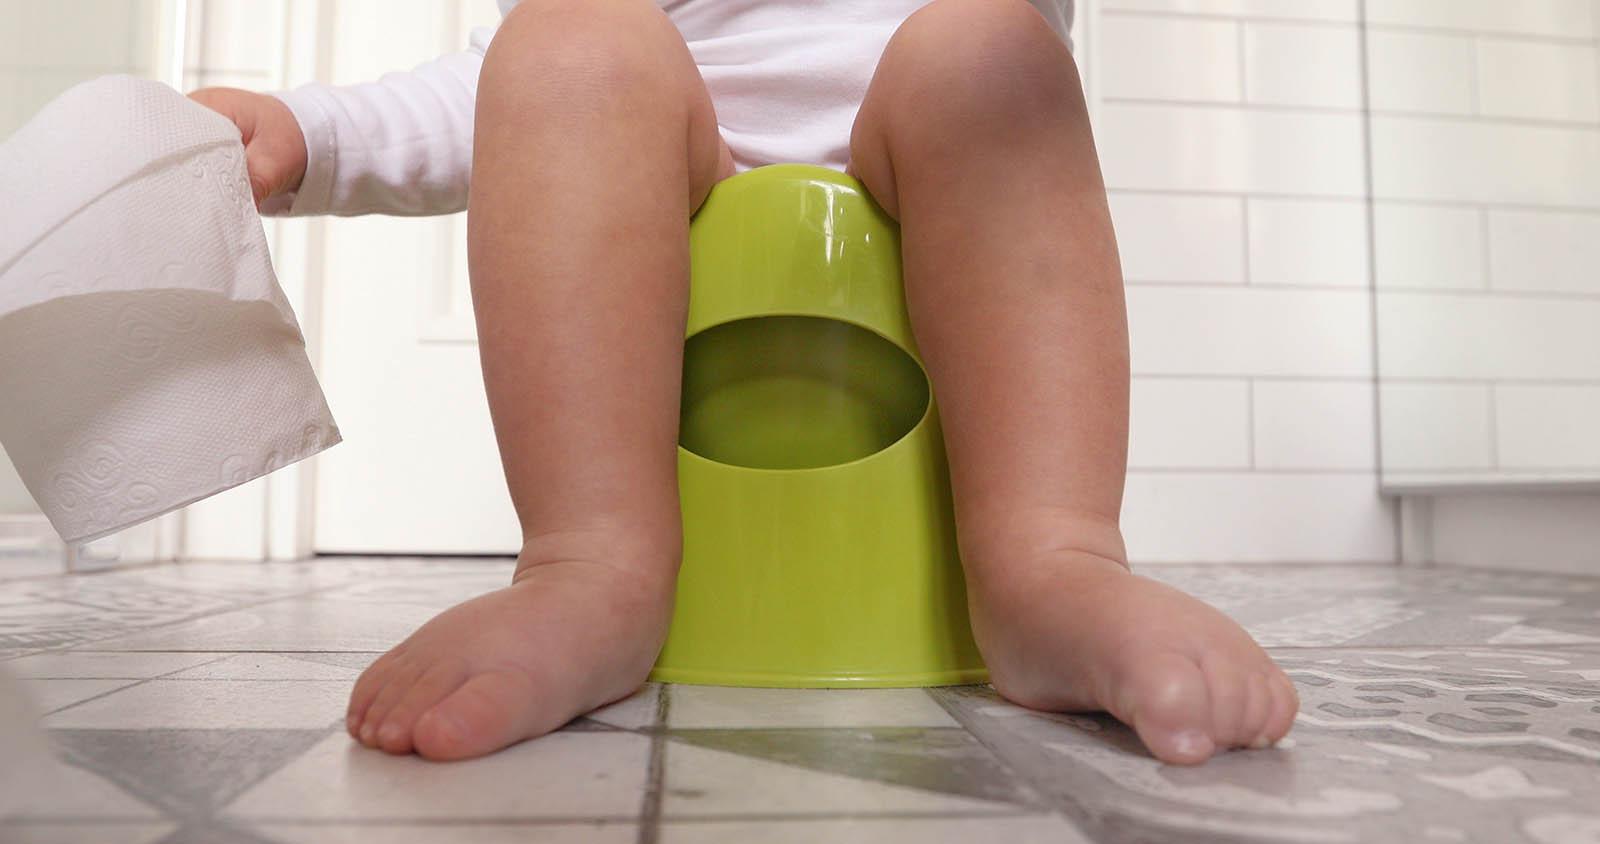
(1020,537)
(648,558)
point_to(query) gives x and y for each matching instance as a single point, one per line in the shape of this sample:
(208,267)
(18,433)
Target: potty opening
(796,392)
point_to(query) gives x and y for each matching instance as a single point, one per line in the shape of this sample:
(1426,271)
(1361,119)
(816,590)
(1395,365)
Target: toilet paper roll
(148,357)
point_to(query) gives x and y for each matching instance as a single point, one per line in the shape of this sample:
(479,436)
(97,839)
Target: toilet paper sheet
(148,357)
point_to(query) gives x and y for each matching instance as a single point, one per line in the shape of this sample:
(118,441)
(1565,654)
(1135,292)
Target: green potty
(819,547)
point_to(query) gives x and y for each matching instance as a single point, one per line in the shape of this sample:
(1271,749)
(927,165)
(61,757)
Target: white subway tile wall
(1230,149)
(1315,425)
(1420,72)
(1171,238)
(1230,132)
(1570,19)
(1418,245)
(1552,531)
(1189,423)
(1488,338)
(1342,11)
(1312,242)
(1538,80)
(1292,64)
(1548,426)
(1429,425)
(1191,60)
(1544,251)
(1486,189)
(1257,517)
(1250,331)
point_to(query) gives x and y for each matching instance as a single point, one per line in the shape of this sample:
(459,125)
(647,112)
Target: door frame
(269,518)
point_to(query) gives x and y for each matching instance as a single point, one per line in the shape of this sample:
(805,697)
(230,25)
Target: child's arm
(400,145)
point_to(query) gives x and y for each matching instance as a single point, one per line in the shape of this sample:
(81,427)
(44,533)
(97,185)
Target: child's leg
(974,135)
(595,142)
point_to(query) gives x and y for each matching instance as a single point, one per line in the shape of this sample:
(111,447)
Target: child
(600,128)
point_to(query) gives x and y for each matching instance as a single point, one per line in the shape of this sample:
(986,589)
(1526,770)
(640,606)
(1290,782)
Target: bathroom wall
(14,497)
(46,48)
(1231,137)
(1486,184)
(1524,530)
(237,43)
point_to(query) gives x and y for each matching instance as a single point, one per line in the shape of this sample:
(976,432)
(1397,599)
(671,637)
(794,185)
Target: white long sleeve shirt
(785,77)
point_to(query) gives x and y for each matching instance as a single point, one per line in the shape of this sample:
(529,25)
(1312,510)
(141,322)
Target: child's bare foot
(1078,632)
(563,639)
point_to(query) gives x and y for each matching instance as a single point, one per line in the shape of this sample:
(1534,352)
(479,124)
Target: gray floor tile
(1331,605)
(59,791)
(309,624)
(1391,744)
(1513,704)
(1026,829)
(566,776)
(110,665)
(267,666)
(50,695)
(186,773)
(509,833)
(946,761)
(768,776)
(1438,705)
(211,705)
(728,708)
(634,712)
(86,832)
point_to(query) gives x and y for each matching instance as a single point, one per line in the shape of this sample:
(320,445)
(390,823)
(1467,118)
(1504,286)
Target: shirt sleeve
(401,145)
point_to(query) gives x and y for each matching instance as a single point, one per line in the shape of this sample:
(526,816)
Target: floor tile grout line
(673,732)
(200,651)
(1430,646)
(136,683)
(185,619)
(1040,796)
(81,820)
(631,819)
(655,782)
(66,757)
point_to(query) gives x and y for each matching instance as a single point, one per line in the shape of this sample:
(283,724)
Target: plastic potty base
(777,680)
(819,546)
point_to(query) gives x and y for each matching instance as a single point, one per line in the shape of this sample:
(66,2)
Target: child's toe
(1285,706)
(1228,687)
(1257,712)
(1167,702)
(489,711)
(366,690)
(395,733)
(400,681)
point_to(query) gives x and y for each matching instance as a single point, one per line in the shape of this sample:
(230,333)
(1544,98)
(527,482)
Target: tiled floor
(201,703)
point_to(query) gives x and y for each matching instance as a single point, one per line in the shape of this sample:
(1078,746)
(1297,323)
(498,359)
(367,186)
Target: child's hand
(274,146)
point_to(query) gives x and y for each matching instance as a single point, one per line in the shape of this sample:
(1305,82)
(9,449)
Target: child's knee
(584,52)
(981,58)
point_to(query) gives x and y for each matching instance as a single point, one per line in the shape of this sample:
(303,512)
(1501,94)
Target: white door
(418,471)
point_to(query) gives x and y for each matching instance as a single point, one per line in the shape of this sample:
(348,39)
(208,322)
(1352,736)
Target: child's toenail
(367,731)
(1261,742)
(389,734)
(444,727)
(1192,743)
